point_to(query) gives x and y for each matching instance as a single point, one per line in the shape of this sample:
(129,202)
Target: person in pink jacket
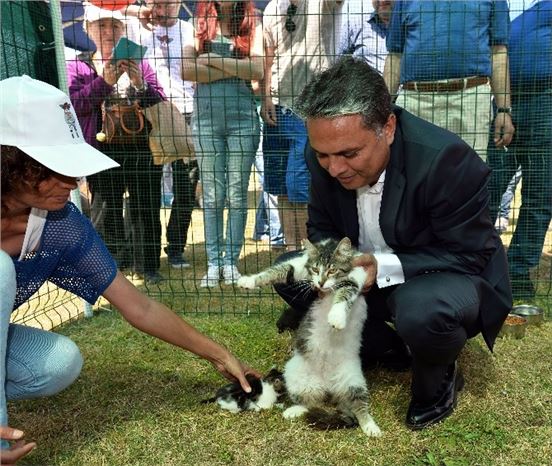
(93,78)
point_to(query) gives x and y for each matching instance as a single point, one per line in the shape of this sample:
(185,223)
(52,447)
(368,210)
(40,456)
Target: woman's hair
(19,171)
(349,87)
(242,24)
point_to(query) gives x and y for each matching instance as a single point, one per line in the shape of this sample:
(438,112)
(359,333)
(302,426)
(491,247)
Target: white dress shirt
(370,238)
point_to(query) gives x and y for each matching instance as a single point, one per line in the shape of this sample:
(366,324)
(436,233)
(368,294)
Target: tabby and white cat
(324,378)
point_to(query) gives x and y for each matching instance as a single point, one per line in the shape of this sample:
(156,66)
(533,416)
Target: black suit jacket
(434,213)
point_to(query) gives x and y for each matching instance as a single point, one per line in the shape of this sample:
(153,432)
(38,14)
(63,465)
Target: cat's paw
(294,411)
(371,429)
(247,281)
(337,317)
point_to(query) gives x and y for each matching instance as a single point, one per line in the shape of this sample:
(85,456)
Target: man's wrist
(507,110)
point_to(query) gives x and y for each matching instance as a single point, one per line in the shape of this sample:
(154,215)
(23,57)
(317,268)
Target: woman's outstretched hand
(233,369)
(18,450)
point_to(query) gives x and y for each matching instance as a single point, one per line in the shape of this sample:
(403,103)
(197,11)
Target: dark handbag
(122,122)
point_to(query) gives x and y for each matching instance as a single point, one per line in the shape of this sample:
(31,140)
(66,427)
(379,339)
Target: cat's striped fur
(324,378)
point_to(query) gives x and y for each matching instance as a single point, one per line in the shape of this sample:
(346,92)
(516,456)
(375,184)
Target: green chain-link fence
(300,38)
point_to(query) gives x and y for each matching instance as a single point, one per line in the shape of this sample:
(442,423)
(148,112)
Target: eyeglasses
(290,13)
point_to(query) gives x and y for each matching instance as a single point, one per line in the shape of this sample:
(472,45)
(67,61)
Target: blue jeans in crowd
(286,171)
(226,136)
(508,196)
(267,219)
(33,363)
(530,148)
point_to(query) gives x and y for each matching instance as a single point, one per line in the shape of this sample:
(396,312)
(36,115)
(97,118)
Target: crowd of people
(416,186)
(231,64)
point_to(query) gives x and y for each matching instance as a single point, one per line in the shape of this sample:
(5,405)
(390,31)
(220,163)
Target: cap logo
(70,120)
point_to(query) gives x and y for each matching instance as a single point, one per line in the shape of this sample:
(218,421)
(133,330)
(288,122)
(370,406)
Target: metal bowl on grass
(514,326)
(533,314)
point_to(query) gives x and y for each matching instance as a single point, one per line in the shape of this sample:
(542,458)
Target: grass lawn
(137,402)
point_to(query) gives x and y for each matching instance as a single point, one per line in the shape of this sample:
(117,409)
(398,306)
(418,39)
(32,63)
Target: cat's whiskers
(303,288)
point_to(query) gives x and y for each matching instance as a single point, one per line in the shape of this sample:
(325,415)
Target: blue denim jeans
(530,149)
(267,218)
(508,196)
(286,171)
(226,136)
(33,362)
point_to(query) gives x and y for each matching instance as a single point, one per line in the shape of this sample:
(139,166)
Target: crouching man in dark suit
(413,198)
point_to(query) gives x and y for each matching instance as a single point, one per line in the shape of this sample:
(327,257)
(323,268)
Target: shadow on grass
(102,400)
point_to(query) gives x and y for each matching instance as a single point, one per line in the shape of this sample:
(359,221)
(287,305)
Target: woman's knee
(43,367)
(66,366)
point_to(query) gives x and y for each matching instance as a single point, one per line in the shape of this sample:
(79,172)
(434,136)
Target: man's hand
(504,129)
(268,111)
(142,12)
(370,265)
(18,450)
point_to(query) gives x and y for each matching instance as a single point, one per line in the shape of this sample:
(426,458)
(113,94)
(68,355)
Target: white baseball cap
(40,120)
(93,13)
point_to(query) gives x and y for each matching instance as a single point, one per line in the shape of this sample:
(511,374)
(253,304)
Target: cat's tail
(328,419)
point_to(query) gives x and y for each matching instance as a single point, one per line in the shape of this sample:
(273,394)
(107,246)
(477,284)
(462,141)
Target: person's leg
(504,166)
(144,187)
(181,211)
(267,220)
(434,314)
(211,153)
(39,363)
(8,288)
(167,186)
(503,216)
(533,143)
(297,181)
(381,345)
(261,221)
(274,224)
(276,147)
(107,190)
(33,363)
(243,141)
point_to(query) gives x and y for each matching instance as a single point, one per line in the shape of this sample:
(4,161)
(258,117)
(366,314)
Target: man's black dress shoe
(420,416)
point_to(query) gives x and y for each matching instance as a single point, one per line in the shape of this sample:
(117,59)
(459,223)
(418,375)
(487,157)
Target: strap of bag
(135,108)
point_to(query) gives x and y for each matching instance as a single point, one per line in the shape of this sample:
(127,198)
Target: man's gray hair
(349,87)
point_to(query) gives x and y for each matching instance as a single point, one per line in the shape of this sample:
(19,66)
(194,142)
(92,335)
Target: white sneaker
(212,278)
(230,274)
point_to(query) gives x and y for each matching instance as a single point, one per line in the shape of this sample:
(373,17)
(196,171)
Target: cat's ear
(344,246)
(309,247)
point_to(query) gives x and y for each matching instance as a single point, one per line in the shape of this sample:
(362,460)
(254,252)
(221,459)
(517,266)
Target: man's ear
(389,128)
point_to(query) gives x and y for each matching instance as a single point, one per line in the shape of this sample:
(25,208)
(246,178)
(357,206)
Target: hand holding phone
(128,50)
